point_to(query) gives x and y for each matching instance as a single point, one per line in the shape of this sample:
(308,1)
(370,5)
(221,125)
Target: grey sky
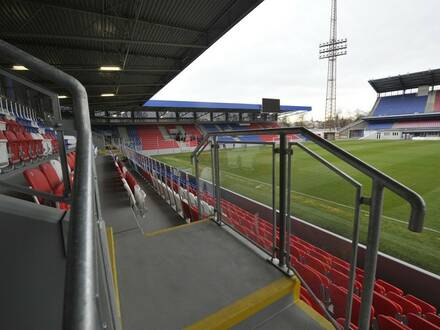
(273,52)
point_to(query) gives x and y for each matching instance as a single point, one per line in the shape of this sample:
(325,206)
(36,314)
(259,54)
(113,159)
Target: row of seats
(48,178)
(328,276)
(20,144)
(136,195)
(181,199)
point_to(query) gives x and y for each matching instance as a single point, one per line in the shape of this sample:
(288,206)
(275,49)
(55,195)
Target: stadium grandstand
(407,106)
(100,230)
(178,126)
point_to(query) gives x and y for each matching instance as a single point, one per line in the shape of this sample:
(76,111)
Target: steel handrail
(79,294)
(356,223)
(379,181)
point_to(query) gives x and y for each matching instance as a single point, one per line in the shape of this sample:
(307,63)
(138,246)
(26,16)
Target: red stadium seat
(13,147)
(343,280)
(36,179)
(24,146)
(316,264)
(385,306)
(416,322)
(389,287)
(433,318)
(131,181)
(311,277)
(51,175)
(390,323)
(407,305)
(194,213)
(338,296)
(426,307)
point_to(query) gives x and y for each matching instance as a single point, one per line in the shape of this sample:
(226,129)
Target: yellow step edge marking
(111,249)
(166,230)
(318,318)
(243,308)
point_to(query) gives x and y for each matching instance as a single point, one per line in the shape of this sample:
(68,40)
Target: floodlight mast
(331,50)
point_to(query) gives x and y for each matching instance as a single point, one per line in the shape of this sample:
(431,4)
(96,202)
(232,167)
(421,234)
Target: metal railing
(380,181)
(80,294)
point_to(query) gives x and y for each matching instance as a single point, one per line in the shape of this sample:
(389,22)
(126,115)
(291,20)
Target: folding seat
(311,277)
(131,181)
(24,146)
(426,307)
(316,264)
(192,199)
(47,145)
(407,305)
(51,175)
(338,296)
(341,322)
(129,193)
(37,181)
(13,147)
(389,287)
(31,144)
(319,255)
(140,196)
(341,268)
(178,203)
(343,280)
(433,318)
(38,140)
(386,306)
(186,210)
(4,157)
(416,322)
(389,323)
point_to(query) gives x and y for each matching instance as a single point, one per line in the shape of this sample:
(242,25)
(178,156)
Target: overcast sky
(273,52)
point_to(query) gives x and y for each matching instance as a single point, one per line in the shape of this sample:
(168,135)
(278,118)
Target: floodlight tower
(331,50)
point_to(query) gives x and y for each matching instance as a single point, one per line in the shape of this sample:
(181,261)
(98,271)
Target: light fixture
(19,68)
(62,96)
(107,94)
(110,68)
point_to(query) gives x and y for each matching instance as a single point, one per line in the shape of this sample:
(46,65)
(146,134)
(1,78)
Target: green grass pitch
(322,198)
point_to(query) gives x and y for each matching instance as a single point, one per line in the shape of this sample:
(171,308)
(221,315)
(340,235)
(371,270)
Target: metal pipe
(217,180)
(274,206)
(79,294)
(376,205)
(197,173)
(354,255)
(282,194)
(63,160)
(288,218)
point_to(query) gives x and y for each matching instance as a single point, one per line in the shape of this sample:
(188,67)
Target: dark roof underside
(151,40)
(406,81)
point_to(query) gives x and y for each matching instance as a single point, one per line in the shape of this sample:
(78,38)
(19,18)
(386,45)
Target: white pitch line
(326,200)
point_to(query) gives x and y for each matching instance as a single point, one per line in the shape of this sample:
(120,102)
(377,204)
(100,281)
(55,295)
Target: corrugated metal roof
(142,36)
(406,81)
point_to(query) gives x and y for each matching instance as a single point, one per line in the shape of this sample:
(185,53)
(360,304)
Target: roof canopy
(406,81)
(189,106)
(149,41)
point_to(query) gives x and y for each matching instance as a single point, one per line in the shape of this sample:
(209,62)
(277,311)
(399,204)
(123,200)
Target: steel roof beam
(128,20)
(27,45)
(100,39)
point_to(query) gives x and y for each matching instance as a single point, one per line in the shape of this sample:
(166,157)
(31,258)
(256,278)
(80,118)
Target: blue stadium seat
(400,105)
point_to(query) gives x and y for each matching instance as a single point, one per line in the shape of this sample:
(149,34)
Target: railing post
(376,205)
(282,194)
(274,205)
(197,173)
(217,180)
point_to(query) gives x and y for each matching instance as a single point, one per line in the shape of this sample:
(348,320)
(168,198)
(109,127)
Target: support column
(282,194)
